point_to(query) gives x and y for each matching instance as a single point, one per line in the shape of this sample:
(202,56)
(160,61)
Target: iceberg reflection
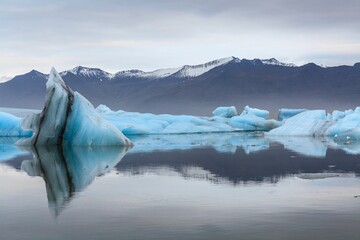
(316,146)
(306,146)
(8,150)
(70,170)
(221,142)
(250,142)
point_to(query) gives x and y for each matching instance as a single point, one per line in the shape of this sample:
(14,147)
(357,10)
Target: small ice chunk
(226,112)
(255,111)
(251,122)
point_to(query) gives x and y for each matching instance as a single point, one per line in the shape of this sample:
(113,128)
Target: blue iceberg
(225,112)
(255,112)
(253,119)
(307,123)
(133,123)
(10,126)
(69,119)
(341,126)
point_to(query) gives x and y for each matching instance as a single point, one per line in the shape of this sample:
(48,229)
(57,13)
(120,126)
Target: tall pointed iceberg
(69,119)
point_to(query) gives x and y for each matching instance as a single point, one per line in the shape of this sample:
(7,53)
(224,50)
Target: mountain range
(198,89)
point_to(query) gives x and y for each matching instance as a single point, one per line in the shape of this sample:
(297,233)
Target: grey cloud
(92,29)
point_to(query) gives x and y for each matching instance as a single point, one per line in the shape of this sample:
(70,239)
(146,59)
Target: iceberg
(341,126)
(256,112)
(346,128)
(253,119)
(133,123)
(253,123)
(307,123)
(226,112)
(10,126)
(69,119)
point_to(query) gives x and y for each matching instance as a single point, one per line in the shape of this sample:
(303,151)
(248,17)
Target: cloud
(118,34)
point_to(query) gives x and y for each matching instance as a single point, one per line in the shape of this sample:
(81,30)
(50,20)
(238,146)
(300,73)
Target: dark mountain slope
(236,82)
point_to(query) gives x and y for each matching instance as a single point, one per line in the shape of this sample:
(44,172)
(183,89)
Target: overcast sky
(143,34)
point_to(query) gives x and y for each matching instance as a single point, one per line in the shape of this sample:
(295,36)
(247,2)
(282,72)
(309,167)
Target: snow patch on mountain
(197,70)
(180,72)
(88,72)
(160,73)
(273,61)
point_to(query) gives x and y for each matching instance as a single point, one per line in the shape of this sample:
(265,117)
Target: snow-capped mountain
(180,72)
(273,61)
(197,70)
(197,89)
(88,73)
(189,71)
(186,71)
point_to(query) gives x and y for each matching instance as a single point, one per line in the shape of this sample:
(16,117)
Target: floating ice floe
(303,124)
(255,112)
(253,119)
(69,119)
(133,123)
(252,122)
(226,112)
(10,126)
(341,126)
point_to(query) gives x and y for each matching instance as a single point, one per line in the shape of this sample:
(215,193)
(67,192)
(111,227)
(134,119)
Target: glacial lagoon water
(200,186)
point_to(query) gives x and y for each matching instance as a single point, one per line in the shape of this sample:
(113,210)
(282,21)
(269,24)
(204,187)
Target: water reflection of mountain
(269,166)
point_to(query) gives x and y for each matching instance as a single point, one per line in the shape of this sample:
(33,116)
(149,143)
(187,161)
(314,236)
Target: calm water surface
(184,187)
